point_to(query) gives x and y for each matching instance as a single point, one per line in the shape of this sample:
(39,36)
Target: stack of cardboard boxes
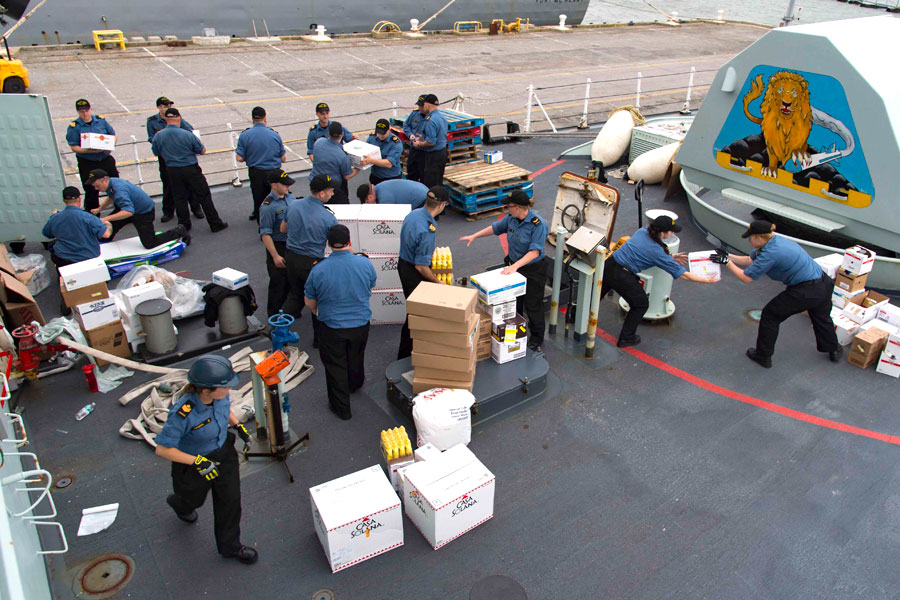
(444,327)
(497,295)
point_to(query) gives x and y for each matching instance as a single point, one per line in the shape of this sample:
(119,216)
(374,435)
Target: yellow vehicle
(13,74)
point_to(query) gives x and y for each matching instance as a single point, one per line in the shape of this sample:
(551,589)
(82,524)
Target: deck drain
(239,91)
(323,595)
(497,586)
(104,577)
(754,314)
(63,482)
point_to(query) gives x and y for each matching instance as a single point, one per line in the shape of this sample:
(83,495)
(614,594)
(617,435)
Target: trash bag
(443,417)
(186,294)
(40,280)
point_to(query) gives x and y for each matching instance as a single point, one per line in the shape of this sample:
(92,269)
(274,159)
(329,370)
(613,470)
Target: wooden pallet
(480,176)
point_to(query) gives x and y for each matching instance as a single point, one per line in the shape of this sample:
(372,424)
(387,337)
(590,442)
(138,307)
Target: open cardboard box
(18,303)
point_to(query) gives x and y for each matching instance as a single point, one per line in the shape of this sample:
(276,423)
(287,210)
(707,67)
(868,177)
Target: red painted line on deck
(717,389)
(547,168)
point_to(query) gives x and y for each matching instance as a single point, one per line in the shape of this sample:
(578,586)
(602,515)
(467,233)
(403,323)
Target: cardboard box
(448,495)
(444,302)
(393,468)
(357,150)
(493,287)
(888,364)
(498,312)
(449,363)
(388,306)
(92,315)
(98,141)
(459,340)
(18,303)
(862,308)
(494,156)
(423,384)
(386,273)
(133,296)
(230,278)
(84,273)
(504,353)
(109,338)
(89,293)
(830,263)
(426,347)
(347,214)
(133,335)
(845,329)
(426,451)
(839,297)
(858,260)
(510,331)
(379,227)
(430,324)
(866,347)
(356,517)
(700,263)
(889,314)
(850,283)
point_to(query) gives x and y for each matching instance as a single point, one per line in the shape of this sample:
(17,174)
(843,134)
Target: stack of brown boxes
(866,347)
(483,342)
(444,328)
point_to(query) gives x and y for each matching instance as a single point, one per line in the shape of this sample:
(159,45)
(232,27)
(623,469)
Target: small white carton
(889,364)
(386,273)
(448,495)
(388,306)
(426,451)
(84,273)
(97,313)
(133,335)
(498,312)
(494,156)
(393,469)
(893,344)
(830,263)
(858,260)
(503,352)
(493,287)
(864,314)
(133,296)
(357,150)
(840,298)
(356,517)
(98,141)
(230,278)
(889,313)
(845,329)
(700,263)
(379,227)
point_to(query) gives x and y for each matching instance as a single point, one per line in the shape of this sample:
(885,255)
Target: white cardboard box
(502,352)
(356,517)
(230,278)
(699,263)
(858,260)
(889,313)
(133,335)
(494,288)
(426,451)
(839,297)
(498,312)
(830,263)
(494,156)
(379,227)
(133,296)
(862,314)
(893,344)
(386,273)
(880,325)
(388,306)
(448,495)
(98,141)
(888,364)
(84,273)
(845,329)
(393,470)
(358,149)
(97,313)
(347,214)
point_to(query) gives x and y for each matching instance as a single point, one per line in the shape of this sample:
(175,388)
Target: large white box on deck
(845,329)
(493,287)
(347,214)
(830,263)
(357,150)
(448,495)
(700,263)
(379,227)
(133,296)
(386,273)
(98,313)
(388,306)
(889,364)
(98,141)
(84,273)
(890,314)
(230,278)
(858,260)
(356,516)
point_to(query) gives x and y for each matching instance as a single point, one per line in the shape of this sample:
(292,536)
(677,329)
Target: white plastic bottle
(85,411)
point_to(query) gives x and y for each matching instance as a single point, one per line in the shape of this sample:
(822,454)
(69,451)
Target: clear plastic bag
(186,294)
(40,281)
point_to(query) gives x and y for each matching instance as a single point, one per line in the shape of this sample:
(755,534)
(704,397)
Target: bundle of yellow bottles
(442,259)
(395,443)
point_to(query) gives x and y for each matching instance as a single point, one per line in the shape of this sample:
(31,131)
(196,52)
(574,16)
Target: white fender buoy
(613,139)
(651,165)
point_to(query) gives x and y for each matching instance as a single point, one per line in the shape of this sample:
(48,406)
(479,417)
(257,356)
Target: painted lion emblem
(786,118)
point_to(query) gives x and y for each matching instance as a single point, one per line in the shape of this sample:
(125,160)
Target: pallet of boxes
(497,295)
(863,319)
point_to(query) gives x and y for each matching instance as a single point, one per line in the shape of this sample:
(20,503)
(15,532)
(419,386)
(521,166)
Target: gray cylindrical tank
(156,321)
(231,316)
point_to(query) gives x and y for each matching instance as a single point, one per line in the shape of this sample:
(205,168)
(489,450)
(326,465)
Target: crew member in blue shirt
(271,214)
(388,166)
(433,144)
(306,223)
(132,205)
(331,160)
(645,249)
(263,151)
(418,237)
(413,128)
(525,234)
(320,129)
(180,148)
(808,289)
(393,191)
(197,441)
(338,292)
(88,159)
(155,124)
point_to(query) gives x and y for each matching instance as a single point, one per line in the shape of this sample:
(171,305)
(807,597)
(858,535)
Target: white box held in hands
(356,517)
(97,313)
(493,287)
(357,150)
(700,263)
(98,141)
(858,260)
(230,278)
(379,227)
(84,273)
(830,263)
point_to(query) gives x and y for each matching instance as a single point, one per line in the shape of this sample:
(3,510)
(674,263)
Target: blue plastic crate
(487,199)
(455,120)
(470,141)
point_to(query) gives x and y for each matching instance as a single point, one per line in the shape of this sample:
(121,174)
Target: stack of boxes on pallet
(463,136)
(444,327)
(497,295)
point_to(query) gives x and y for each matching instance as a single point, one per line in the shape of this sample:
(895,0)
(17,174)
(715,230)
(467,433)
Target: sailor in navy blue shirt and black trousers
(330,159)
(271,214)
(155,124)
(414,127)
(433,145)
(388,166)
(808,289)
(88,159)
(263,151)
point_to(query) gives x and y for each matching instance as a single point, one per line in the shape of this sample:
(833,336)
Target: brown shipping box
(866,347)
(431,324)
(850,283)
(445,374)
(426,347)
(109,338)
(458,340)
(18,303)
(97,291)
(433,361)
(423,384)
(450,303)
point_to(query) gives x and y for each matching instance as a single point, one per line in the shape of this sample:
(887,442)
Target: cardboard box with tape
(866,347)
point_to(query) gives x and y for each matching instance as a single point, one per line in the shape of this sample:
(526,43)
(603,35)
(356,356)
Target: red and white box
(388,306)
(700,263)
(892,346)
(379,227)
(830,263)
(889,364)
(845,329)
(858,260)
(98,141)
(386,266)
(356,516)
(448,495)
(347,214)
(890,314)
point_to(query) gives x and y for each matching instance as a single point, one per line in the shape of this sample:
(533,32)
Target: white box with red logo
(700,263)
(892,346)
(845,329)
(346,214)
(379,227)
(386,273)
(858,260)
(889,313)
(830,263)
(388,306)
(356,517)
(448,495)
(98,141)
(889,364)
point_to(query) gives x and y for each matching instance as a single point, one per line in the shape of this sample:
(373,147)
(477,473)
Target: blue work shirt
(156,123)
(783,260)
(77,234)
(329,158)
(130,197)
(435,131)
(317,132)
(200,429)
(417,237)
(179,148)
(97,125)
(524,235)
(391,149)
(341,285)
(640,252)
(260,147)
(401,191)
(271,214)
(414,124)
(308,221)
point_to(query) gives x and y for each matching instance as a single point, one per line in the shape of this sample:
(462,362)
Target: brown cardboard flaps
(17,301)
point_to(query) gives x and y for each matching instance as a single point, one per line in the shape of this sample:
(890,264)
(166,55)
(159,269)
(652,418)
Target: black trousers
(409,280)
(145,230)
(628,285)
(341,193)
(92,196)
(278,281)
(813,296)
(259,187)
(433,167)
(168,200)
(298,268)
(188,183)
(414,164)
(532,303)
(191,489)
(375,180)
(343,354)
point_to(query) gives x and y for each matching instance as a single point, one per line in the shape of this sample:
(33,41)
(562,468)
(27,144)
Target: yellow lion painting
(786,118)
